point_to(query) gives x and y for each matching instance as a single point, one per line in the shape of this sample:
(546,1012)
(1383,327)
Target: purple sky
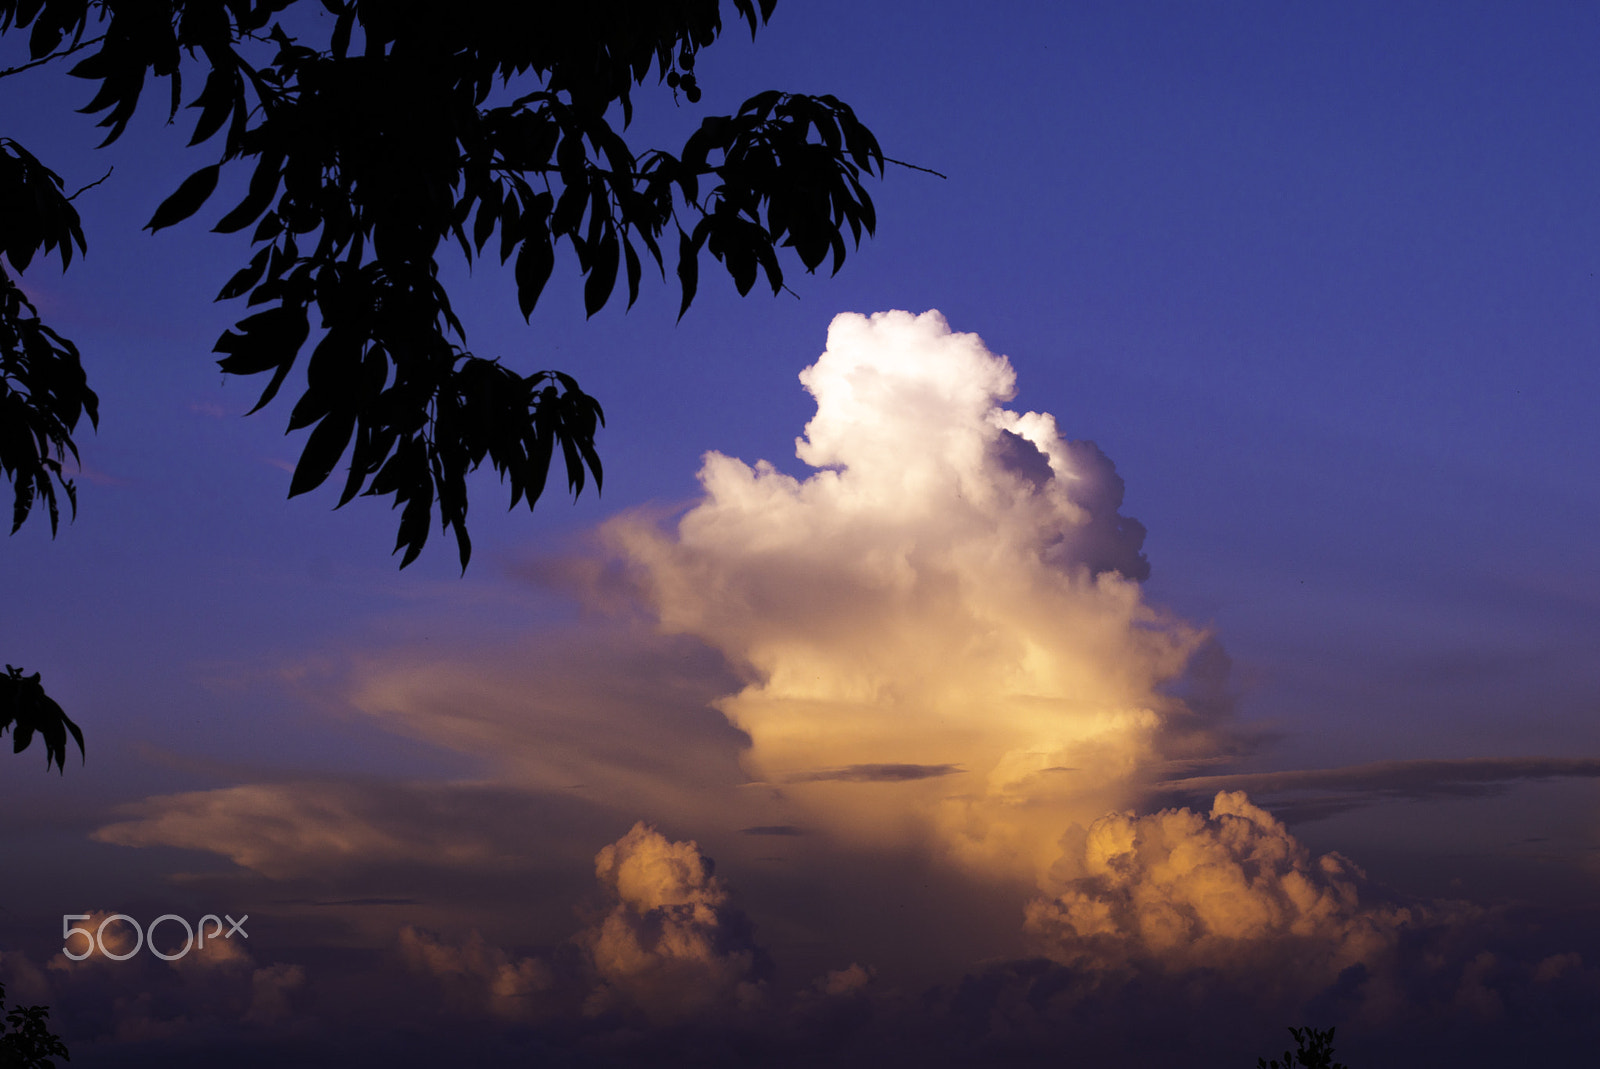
(1320,281)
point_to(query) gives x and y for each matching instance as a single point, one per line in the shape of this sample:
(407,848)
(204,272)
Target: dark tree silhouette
(408,125)
(43,390)
(1314,1050)
(26,1041)
(26,710)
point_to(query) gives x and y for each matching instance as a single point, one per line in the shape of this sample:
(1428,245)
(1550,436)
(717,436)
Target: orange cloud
(1231,889)
(672,945)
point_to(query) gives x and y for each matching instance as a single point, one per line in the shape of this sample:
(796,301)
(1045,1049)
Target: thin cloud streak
(875,774)
(1355,786)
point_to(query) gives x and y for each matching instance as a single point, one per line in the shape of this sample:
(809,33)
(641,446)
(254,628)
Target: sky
(1146,599)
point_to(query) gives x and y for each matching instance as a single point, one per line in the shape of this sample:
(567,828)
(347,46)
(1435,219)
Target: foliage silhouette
(26,1041)
(27,710)
(43,390)
(1314,1050)
(372,149)
(410,125)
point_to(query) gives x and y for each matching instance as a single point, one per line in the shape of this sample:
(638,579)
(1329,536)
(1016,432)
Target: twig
(914,167)
(54,55)
(96,182)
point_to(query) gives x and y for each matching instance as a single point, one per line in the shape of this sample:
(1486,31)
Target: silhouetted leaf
(216,102)
(324,447)
(374,160)
(263,184)
(245,277)
(602,274)
(26,710)
(534,264)
(688,270)
(634,270)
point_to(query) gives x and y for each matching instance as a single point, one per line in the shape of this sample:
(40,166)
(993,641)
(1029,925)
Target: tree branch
(914,167)
(54,55)
(96,182)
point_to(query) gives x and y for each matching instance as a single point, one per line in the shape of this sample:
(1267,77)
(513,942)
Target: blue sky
(1320,281)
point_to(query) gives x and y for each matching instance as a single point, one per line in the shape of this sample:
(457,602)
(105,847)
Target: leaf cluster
(43,389)
(480,125)
(26,1041)
(1314,1050)
(25,709)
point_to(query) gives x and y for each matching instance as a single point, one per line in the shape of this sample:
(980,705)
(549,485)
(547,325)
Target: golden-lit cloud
(950,599)
(669,945)
(672,944)
(1228,890)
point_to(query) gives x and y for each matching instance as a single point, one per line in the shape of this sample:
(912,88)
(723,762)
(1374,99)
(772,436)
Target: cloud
(850,980)
(1229,890)
(269,993)
(668,946)
(672,944)
(291,829)
(876,773)
(122,990)
(953,588)
(477,975)
(616,715)
(25,983)
(1311,793)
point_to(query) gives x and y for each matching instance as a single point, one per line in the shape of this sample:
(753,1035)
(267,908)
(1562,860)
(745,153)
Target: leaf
(270,341)
(414,519)
(323,449)
(534,264)
(339,44)
(688,269)
(603,274)
(263,184)
(634,271)
(46,35)
(216,101)
(27,710)
(246,277)
(488,213)
(186,200)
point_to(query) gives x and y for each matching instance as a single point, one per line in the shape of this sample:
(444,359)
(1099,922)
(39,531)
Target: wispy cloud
(1311,793)
(875,774)
(283,830)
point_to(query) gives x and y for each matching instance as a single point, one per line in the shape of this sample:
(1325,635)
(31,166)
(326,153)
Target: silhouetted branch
(914,167)
(91,185)
(42,60)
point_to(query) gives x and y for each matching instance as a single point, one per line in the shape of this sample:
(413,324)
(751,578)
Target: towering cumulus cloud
(942,625)
(673,944)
